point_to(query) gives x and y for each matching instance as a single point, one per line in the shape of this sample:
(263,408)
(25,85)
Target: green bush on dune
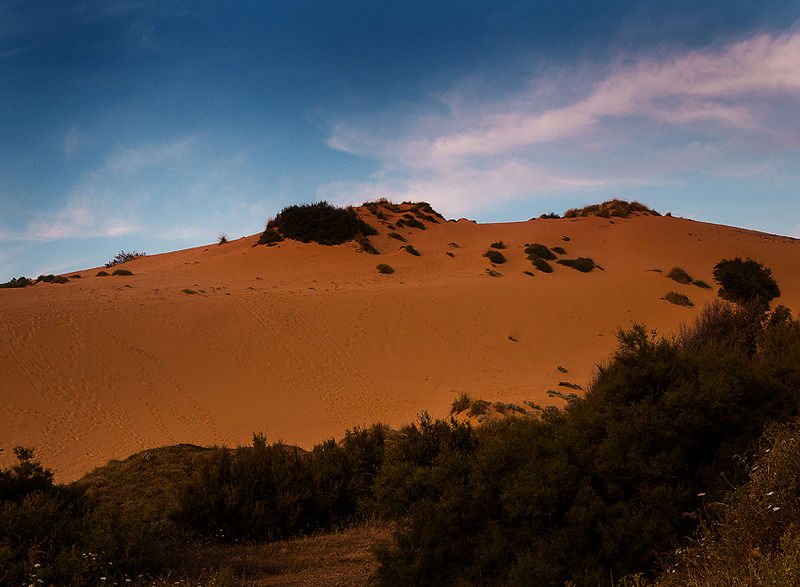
(320,223)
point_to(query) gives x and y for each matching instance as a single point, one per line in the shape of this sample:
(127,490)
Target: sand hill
(301,341)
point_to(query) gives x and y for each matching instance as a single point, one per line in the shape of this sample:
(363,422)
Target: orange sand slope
(302,341)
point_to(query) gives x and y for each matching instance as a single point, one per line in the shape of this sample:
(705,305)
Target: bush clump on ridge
(21,281)
(611,208)
(320,223)
(124,257)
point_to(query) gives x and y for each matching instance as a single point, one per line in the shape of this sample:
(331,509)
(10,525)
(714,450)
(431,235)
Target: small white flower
(771,493)
(776,508)
(701,494)
(36,566)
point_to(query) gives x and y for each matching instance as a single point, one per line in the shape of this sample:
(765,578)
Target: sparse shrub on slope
(582,264)
(541,264)
(384,268)
(124,257)
(495,256)
(320,223)
(678,299)
(679,275)
(746,282)
(539,250)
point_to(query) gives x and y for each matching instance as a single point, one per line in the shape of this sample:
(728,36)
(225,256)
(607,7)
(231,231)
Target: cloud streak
(732,98)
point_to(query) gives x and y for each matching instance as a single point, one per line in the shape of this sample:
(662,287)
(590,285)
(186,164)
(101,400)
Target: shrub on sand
(495,256)
(678,299)
(384,268)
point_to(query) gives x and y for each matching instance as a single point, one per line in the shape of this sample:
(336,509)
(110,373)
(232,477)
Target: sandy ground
(302,341)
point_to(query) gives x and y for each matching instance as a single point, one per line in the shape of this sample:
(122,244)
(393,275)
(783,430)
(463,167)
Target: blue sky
(159,125)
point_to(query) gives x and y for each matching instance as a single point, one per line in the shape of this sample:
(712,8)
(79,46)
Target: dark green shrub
(222,239)
(384,268)
(701,284)
(268,491)
(539,250)
(541,264)
(679,275)
(365,245)
(753,536)
(678,299)
(498,245)
(269,237)
(412,250)
(121,272)
(46,278)
(602,488)
(495,256)
(124,257)
(53,534)
(582,264)
(101,273)
(75,276)
(550,215)
(746,282)
(450,254)
(531,273)
(188,291)
(60,279)
(399,237)
(320,223)
(18,282)
(492,273)
(559,250)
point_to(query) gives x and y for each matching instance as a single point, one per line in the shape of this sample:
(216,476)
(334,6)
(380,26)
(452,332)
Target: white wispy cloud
(163,154)
(718,104)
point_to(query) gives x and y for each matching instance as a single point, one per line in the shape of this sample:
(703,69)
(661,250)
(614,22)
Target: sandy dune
(301,341)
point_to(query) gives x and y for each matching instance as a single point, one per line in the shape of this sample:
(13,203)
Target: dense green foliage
(602,488)
(753,536)
(320,223)
(20,281)
(55,535)
(273,490)
(495,256)
(746,282)
(582,264)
